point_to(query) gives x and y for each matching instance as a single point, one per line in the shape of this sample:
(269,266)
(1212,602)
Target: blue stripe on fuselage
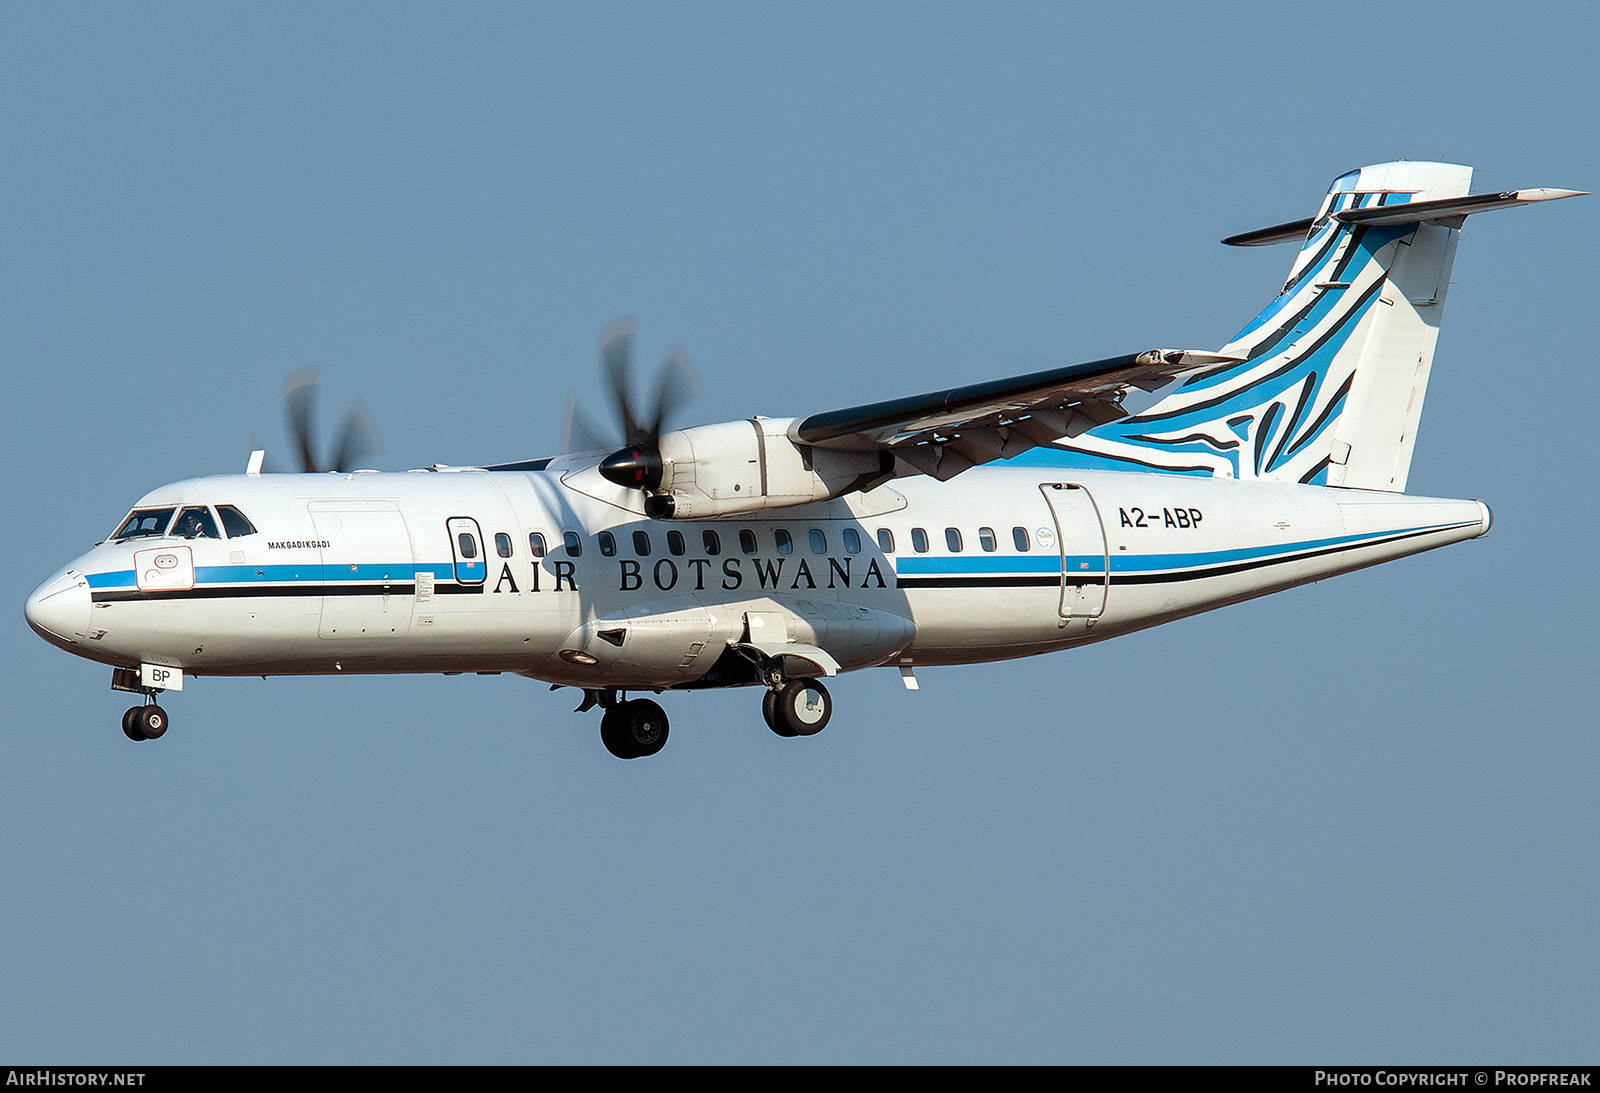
(1001,565)
(310,573)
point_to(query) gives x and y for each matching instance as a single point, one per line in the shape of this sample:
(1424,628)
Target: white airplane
(998,520)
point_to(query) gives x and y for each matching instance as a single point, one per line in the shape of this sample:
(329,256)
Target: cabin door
(367,570)
(1085,557)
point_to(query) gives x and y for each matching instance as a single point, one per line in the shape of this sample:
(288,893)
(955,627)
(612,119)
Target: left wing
(945,432)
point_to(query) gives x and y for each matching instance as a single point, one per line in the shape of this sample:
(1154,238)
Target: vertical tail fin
(1354,332)
(1335,368)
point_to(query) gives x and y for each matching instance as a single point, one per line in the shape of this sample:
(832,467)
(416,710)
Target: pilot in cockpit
(196,524)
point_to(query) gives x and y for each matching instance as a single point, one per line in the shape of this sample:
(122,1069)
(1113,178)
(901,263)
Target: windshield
(142,523)
(196,523)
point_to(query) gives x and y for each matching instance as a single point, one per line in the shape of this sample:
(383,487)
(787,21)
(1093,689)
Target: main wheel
(634,729)
(130,726)
(769,711)
(151,720)
(802,708)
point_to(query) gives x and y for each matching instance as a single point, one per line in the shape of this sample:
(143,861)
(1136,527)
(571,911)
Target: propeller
(356,440)
(637,464)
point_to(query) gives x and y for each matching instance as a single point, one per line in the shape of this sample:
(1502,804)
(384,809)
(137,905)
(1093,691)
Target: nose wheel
(801,707)
(145,722)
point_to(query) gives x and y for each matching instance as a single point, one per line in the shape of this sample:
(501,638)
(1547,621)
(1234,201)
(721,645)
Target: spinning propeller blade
(356,440)
(637,465)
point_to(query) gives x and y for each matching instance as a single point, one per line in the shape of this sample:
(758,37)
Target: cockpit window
(234,522)
(196,523)
(143,523)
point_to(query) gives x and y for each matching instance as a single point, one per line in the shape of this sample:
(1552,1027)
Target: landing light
(577,656)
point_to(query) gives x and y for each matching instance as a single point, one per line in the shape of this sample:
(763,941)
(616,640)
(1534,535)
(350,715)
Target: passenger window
(919,540)
(1019,537)
(641,543)
(709,540)
(852,541)
(608,543)
(952,539)
(573,544)
(747,540)
(886,540)
(987,540)
(502,544)
(785,541)
(467,545)
(196,523)
(234,522)
(819,541)
(536,544)
(675,542)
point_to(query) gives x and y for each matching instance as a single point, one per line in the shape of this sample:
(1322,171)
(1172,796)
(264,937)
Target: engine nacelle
(744,466)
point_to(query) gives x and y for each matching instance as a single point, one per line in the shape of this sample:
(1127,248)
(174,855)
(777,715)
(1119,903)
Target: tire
(803,706)
(152,721)
(769,710)
(646,726)
(130,724)
(633,730)
(613,736)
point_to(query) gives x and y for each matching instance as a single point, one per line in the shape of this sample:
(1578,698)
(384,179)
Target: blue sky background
(1351,822)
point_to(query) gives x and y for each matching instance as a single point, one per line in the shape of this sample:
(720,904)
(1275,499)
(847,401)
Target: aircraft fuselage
(507,571)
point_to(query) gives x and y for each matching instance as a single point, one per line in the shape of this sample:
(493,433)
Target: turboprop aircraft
(998,520)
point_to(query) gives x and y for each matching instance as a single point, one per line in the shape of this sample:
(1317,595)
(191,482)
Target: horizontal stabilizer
(1416,212)
(1419,211)
(1292,232)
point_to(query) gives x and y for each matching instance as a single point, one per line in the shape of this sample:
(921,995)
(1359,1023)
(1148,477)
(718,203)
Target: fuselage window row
(137,525)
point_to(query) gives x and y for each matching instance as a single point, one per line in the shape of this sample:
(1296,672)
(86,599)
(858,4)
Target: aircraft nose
(58,610)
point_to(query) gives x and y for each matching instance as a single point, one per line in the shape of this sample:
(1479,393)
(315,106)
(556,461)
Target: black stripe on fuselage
(275,591)
(1164,577)
(1052,580)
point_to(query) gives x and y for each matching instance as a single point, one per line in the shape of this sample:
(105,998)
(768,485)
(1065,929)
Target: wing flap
(1000,418)
(943,433)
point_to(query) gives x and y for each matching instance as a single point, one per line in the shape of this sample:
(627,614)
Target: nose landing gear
(145,722)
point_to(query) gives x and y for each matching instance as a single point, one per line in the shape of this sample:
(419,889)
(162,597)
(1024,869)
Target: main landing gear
(637,727)
(801,707)
(634,729)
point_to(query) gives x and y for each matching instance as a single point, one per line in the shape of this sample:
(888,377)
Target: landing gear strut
(801,707)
